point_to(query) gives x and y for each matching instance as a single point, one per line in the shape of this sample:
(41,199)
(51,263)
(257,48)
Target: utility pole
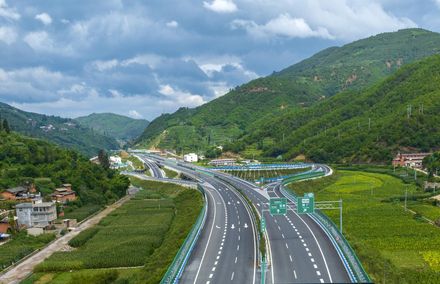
(415,175)
(406,197)
(340,215)
(369,123)
(408,111)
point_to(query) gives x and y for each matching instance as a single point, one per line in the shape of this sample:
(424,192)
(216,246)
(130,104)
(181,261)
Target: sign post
(306,204)
(278,206)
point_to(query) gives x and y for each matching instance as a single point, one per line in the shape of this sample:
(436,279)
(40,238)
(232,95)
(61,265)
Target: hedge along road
(22,270)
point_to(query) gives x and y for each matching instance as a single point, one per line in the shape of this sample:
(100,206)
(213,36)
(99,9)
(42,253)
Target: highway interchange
(227,250)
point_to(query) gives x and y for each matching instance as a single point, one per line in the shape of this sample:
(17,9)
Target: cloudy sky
(143,58)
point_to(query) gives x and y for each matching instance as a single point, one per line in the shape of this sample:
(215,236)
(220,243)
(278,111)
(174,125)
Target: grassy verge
(146,231)
(20,246)
(170,173)
(394,245)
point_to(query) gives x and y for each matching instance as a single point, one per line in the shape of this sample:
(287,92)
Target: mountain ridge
(120,127)
(64,132)
(353,66)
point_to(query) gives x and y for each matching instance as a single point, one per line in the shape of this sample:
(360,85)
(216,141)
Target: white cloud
(105,65)
(180,97)
(8,35)
(341,19)
(135,114)
(41,41)
(172,24)
(221,6)
(32,84)
(283,25)
(44,18)
(7,12)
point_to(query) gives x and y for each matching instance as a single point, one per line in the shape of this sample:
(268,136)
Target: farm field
(394,245)
(80,213)
(20,246)
(254,175)
(144,233)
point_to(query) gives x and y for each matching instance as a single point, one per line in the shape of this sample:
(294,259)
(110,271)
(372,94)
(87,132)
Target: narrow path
(25,268)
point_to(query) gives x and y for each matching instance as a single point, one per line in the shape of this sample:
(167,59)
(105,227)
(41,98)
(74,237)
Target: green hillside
(48,166)
(113,125)
(351,67)
(64,132)
(399,114)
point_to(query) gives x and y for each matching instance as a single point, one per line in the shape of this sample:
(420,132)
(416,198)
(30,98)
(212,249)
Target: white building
(223,162)
(190,158)
(115,160)
(36,214)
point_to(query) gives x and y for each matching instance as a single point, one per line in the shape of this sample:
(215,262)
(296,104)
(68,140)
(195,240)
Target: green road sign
(278,206)
(306,204)
(263,224)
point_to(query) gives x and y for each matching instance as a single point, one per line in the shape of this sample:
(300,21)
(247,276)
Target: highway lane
(226,251)
(151,164)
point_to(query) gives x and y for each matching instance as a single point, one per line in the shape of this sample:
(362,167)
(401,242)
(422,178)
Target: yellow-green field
(394,245)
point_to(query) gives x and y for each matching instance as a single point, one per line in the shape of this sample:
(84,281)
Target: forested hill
(351,67)
(117,126)
(62,131)
(400,114)
(48,166)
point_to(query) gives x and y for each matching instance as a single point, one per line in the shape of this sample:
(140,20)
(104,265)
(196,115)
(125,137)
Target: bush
(83,237)
(106,277)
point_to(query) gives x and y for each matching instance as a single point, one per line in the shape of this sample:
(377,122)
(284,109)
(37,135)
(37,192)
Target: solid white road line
(209,237)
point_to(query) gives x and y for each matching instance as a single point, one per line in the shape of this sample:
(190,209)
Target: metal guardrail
(342,245)
(175,270)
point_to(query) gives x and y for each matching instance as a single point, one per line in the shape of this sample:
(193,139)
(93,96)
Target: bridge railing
(342,245)
(176,268)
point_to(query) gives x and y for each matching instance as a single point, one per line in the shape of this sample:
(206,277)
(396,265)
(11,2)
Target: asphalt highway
(300,251)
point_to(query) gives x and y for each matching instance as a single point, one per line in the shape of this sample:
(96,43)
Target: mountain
(351,67)
(62,131)
(117,126)
(399,114)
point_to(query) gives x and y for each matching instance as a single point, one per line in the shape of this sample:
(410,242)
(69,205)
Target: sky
(143,58)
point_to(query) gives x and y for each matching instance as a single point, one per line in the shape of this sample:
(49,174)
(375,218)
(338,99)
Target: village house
(64,194)
(21,193)
(41,214)
(413,160)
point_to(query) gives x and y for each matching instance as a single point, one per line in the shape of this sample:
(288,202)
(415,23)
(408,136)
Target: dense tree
(103,159)
(48,166)
(6,127)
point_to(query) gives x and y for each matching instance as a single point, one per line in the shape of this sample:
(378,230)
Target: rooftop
(17,189)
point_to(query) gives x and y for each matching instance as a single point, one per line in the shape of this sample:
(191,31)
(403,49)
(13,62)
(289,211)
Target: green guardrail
(176,268)
(355,266)
(303,176)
